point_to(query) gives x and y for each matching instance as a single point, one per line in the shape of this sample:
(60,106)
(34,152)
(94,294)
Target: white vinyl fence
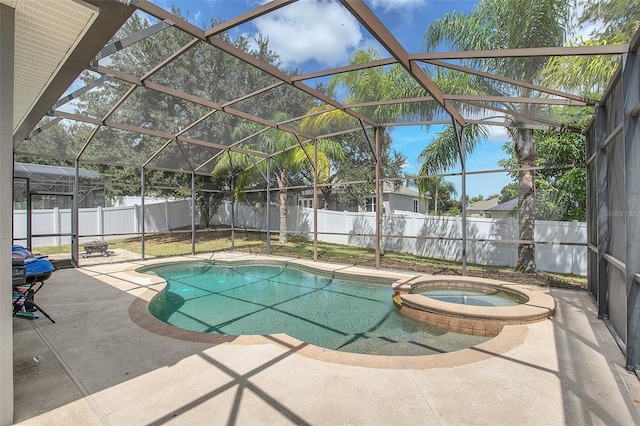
(431,236)
(98,223)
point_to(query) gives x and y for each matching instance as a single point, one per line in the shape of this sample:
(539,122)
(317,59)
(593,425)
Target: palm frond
(443,153)
(328,121)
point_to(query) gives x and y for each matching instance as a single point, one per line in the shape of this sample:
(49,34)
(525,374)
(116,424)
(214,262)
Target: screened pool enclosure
(215,117)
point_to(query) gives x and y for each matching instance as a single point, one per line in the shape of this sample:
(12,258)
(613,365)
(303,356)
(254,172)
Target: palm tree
(617,22)
(502,24)
(286,163)
(440,189)
(364,85)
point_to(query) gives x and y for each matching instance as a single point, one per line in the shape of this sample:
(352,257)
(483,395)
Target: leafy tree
(284,165)
(615,18)
(616,21)
(503,24)
(442,193)
(202,71)
(334,149)
(358,164)
(560,193)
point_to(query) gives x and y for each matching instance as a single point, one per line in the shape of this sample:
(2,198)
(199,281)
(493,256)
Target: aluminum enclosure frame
(601,260)
(613,139)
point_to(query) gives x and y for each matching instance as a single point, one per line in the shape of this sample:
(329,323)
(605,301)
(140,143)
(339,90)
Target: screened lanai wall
(111,116)
(613,149)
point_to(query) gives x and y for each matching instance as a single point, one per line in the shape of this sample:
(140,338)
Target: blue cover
(37,266)
(34,266)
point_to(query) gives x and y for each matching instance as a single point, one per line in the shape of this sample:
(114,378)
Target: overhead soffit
(46,32)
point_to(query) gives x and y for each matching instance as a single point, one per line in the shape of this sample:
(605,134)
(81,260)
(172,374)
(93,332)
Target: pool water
(471,296)
(332,313)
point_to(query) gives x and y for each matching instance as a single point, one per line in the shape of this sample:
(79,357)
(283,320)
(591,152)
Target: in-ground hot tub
(480,318)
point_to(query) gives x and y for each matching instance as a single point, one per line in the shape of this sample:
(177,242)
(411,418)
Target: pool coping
(471,319)
(145,287)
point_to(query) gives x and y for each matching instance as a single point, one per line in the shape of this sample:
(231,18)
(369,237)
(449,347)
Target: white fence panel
(120,220)
(89,222)
(178,214)
(20,227)
(560,258)
(405,232)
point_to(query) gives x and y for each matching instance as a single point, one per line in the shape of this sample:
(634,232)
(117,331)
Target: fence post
(166,215)
(56,226)
(574,239)
(101,223)
(346,227)
(136,219)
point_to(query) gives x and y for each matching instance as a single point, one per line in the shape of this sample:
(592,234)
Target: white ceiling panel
(46,33)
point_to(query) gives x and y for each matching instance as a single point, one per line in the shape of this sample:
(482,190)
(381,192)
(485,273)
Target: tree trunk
(205,217)
(326,192)
(526,153)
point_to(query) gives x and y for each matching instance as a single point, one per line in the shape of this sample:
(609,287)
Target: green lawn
(179,243)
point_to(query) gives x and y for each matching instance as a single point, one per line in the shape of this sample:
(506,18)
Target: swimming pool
(349,316)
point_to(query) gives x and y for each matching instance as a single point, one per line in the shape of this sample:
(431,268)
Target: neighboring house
(479,208)
(504,210)
(400,199)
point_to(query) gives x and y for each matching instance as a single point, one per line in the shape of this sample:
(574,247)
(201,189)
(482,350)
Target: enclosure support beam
(631,91)
(602,206)
(29,218)
(193,213)
(233,214)
(75,206)
(315,200)
(142,213)
(7,36)
(462,144)
(268,205)
(378,203)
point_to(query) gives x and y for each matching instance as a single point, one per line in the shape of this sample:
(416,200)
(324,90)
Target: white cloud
(497,134)
(388,5)
(298,35)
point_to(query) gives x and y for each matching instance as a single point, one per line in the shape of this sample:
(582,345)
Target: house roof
(42,172)
(484,204)
(507,206)
(388,188)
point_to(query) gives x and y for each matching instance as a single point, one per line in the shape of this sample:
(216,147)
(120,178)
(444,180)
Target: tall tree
(560,193)
(613,19)
(201,70)
(290,160)
(614,22)
(358,163)
(440,191)
(505,24)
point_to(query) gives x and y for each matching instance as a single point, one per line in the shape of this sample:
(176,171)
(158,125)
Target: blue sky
(294,33)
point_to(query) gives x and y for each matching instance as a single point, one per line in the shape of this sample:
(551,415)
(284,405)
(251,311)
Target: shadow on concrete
(587,386)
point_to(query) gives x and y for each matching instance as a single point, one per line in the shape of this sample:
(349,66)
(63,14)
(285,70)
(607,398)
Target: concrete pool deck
(102,363)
